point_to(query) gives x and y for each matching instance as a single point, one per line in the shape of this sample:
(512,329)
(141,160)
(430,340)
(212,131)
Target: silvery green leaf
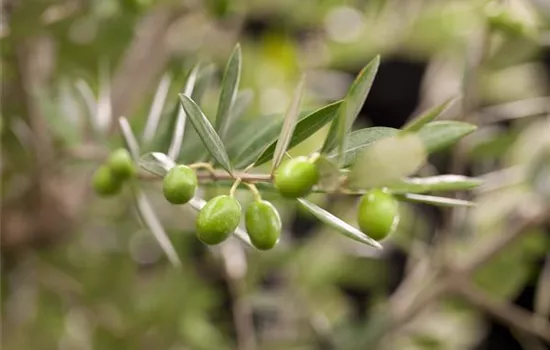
(229,89)
(242,102)
(430,115)
(438,183)
(88,98)
(179,130)
(206,132)
(151,220)
(289,125)
(156,109)
(306,127)
(350,108)
(203,81)
(329,174)
(360,139)
(129,138)
(157,163)
(339,225)
(442,134)
(197,203)
(387,161)
(434,200)
(104,114)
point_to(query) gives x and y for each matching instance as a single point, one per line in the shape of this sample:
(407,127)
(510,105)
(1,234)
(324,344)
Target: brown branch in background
(143,61)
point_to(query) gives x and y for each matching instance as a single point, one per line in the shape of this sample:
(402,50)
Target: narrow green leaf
(289,125)
(129,138)
(434,200)
(329,174)
(350,108)
(156,163)
(179,130)
(229,89)
(359,140)
(242,102)
(203,81)
(428,116)
(439,135)
(156,109)
(147,214)
(206,132)
(306,127)
(197,203)
(387,161)
(104,114)
(438,183)
(339,225)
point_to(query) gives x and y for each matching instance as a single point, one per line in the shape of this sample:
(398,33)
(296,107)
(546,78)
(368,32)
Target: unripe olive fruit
(104,183)
(218,219)
(378,214)
(263,224)
(296,177)
(179,184)
(121,164)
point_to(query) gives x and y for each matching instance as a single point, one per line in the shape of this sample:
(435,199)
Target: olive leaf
(387,161)
(203,81)
(151,220)
(289,124)
(206,132)
(156,109)
(306,127)
(198,203)
(104,113)
(339,225)
(358,140)
(329,174)
(438,183)
(242,102)
(441,134)
(156,163)
(428,116)
(434,200)
(229,89)
(179,129)
(86,94)
(350,108)
(129,138)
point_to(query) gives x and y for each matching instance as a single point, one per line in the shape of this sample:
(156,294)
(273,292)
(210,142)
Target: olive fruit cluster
(378,214)
(109,177)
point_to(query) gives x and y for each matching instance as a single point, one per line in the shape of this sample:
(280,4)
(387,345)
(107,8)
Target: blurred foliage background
(79,272)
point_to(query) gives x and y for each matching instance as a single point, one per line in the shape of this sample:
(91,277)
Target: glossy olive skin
(121,164)
(263,224)
(218,219)
(296,177)
(180,184)
(105,183)
(378,214)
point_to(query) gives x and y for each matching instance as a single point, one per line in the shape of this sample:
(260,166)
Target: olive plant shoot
(265,175)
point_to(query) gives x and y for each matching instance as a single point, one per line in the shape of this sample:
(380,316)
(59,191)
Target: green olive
(296,177)
(104,183)
(218,219)
(263,224)
(378,214)
(121,164)
(179,184)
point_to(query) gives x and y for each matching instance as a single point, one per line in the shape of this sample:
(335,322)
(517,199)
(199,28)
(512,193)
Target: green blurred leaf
(157,106)
(289,124)
(358,140)
(152,222)
(156,163)
(350,108)
(206,132)
(329,174)
(439,135)
(542,294)
(179,129)
(306,127)
(538,173)
(203,81)
(129,138)
(229,89)
(339,225)
(434,200)
(242,102)
(418,122)
(387,161)
(434,184)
